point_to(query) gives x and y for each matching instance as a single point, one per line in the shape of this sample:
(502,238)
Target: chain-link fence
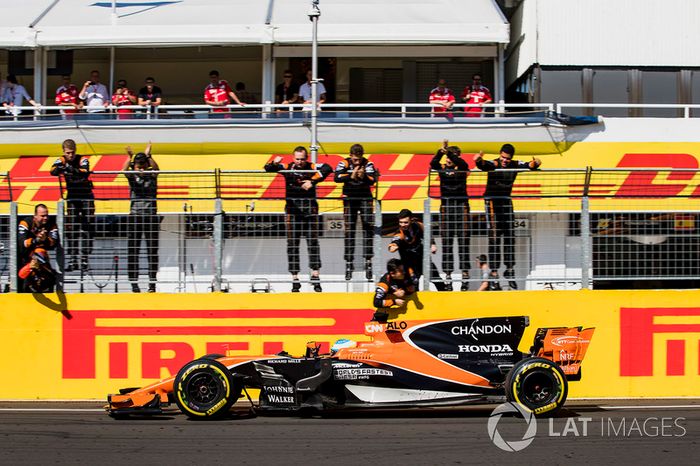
(240,231)
(6,248)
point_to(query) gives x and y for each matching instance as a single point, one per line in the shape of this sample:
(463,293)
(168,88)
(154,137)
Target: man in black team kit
(499,207)
(357,174)
(395,286)
(80,201)
(141,170)
(454,211)
(301,178)
(408,242)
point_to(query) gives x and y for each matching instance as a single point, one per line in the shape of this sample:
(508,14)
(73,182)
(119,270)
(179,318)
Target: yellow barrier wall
(85,346)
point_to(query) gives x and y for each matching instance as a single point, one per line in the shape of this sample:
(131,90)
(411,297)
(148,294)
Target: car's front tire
(537,384)
(205,389)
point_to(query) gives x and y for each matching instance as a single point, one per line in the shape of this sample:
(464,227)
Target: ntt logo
(495,435)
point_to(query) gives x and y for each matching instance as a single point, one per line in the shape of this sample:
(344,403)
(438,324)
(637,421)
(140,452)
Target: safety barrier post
(377,262)
(12,247)
(218,236)
(427,236)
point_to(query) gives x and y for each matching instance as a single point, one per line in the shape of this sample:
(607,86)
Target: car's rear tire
(537,384)
(205,389)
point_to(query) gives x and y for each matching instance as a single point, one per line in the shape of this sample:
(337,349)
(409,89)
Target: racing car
(405,364)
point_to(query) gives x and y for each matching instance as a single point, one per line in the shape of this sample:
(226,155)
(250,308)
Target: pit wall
(86,346)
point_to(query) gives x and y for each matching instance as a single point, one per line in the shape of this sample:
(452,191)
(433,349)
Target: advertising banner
(646,343)
(404,181)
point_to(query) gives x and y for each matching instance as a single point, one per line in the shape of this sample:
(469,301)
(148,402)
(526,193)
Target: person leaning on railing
(408,242)
(219,94)
(475,96)
(37,275)
(150,95)
(14,95)
(394,287)
(287,92)
(67,97)
(144,221)
(35,233)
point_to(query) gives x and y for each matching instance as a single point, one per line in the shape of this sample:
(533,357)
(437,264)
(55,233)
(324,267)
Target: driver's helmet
(343,343)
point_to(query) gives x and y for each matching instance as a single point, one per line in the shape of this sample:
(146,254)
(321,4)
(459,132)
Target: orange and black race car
(406,364)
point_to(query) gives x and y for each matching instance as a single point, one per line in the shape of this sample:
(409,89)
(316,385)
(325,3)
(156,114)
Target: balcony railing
(328,110)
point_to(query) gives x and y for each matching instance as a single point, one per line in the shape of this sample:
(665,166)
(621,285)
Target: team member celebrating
(396,285)
(301,178)
(454,211)
(80,224)
(499,207)
(408,242)
(358,175)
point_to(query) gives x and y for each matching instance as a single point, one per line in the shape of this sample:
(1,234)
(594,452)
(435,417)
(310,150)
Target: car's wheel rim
(204,388)
(539,388)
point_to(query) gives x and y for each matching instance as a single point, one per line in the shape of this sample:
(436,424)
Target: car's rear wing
(566,346)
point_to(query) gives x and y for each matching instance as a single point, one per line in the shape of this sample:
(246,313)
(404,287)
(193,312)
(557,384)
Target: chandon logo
(485,329)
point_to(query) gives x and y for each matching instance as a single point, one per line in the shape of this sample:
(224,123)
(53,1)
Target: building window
(660,87)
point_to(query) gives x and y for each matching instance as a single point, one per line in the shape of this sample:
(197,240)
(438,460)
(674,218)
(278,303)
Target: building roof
(604,33)
(90,23)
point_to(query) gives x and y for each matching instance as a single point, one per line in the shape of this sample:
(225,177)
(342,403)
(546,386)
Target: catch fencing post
(586,246)
(377,262)
(427,235)
(12,247)
(218,234)
(60,252)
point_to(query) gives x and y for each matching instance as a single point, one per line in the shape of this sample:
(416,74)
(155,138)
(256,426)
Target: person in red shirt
(442,98)
(123,96)
(476,95)
(219,94)
(67,96)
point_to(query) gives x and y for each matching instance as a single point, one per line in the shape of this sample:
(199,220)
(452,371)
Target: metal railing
(328,110)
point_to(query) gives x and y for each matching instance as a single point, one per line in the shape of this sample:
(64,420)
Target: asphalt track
(640,433)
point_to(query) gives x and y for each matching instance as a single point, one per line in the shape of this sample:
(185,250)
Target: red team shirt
(479,95)
(67,95)
(123,99)
(218,93)
(445,96)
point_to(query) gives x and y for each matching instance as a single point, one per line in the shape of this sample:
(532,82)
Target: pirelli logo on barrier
(131,343)
(659,341)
